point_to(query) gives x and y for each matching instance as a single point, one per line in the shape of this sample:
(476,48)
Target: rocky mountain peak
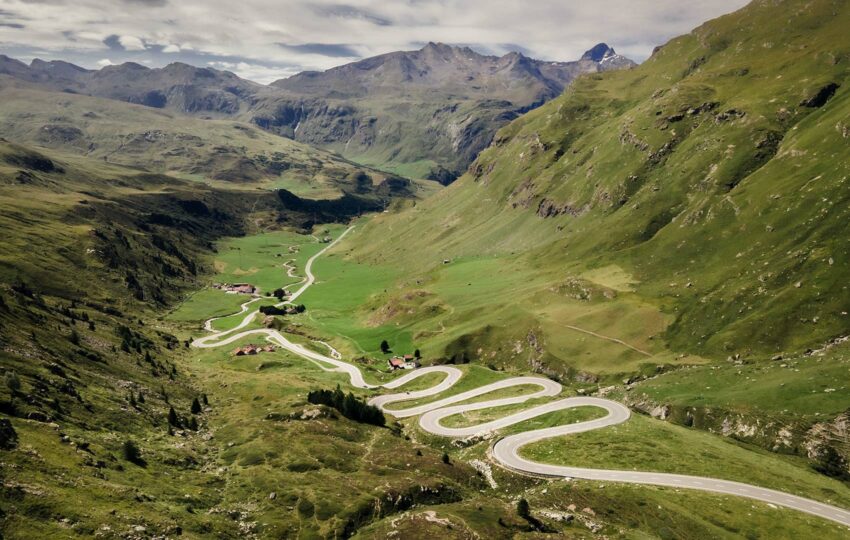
(599,52)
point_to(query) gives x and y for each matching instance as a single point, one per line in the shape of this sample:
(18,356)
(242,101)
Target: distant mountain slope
(178,86)
(422,113)
(426,112)
(222,151)
(712,181)
(448,69)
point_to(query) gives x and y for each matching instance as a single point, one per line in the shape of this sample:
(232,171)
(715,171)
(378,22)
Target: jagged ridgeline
(424,113)
(710,183)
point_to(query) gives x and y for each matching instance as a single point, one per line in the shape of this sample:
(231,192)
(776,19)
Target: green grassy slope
(711,177)
(686,212)
(92,254)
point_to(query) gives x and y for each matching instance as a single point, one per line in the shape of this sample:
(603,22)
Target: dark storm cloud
(113,42)
(335,50)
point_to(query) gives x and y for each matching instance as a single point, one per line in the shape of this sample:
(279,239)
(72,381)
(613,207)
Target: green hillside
(224,153)
(709,181)
(673,237)
(690,212)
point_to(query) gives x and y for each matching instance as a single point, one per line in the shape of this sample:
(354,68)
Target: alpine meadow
(417,270)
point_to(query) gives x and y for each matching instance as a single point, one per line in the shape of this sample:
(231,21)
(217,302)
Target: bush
(831,463)
(522,509)
(272,310)
(8,435)
(13,383)
(350,406)
(132,453)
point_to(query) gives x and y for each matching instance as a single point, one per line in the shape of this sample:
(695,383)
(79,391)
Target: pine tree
(385,346)
(132,400)
(446,459)
(196,406)
(193,424)
(417,354)
(172,417)
(349,407)
(204,399)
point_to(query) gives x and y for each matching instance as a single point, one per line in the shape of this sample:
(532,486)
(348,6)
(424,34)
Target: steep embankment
(711,181)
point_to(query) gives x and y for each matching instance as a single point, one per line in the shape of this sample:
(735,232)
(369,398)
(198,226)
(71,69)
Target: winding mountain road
(506,450)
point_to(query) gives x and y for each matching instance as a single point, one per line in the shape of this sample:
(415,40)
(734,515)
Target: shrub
(132,453)
(8,435)
(522,509)
(272,310)
(831,463)
(12,381)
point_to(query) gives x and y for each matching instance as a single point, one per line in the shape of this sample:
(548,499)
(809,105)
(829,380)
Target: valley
(716,459)
(408,288)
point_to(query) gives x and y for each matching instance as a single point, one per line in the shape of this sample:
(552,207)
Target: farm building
(403,362)
(251,349)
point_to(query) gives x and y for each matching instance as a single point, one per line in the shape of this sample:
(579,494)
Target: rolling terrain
(423,113)
(631,309)
(225,153)
(676,232)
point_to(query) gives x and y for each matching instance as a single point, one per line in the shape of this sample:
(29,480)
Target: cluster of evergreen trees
(350,406)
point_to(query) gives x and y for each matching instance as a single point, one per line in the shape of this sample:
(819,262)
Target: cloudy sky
(264,40)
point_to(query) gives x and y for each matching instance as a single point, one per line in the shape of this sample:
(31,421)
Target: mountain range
(672,237)
(424,113)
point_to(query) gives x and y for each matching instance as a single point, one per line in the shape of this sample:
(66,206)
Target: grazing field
(645,444)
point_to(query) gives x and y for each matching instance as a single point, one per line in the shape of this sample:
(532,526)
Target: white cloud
(317,30)
(131,43)
(104,62)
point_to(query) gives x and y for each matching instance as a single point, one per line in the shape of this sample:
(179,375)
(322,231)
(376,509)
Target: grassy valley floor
(323,471)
